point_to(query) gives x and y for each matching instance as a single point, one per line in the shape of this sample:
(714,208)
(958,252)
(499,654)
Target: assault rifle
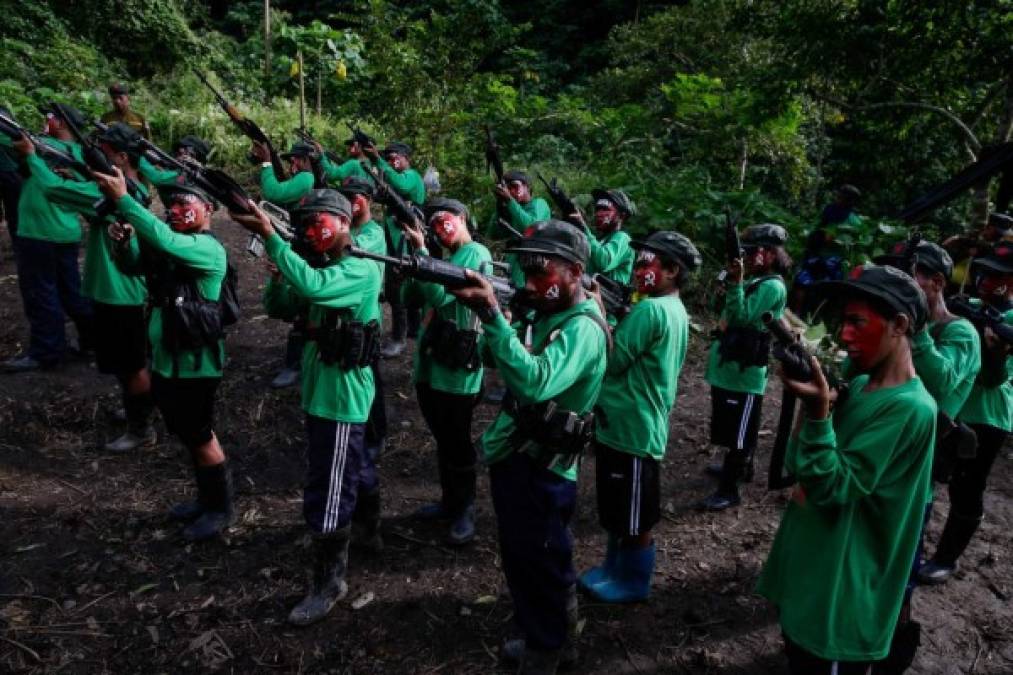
(982,316)
(306,137)
(248,127)
(402,210)
(492,158)
(903,257)
(13,130)
(797,363)
(733,247)
(97,162)
(361,137)
(562,201)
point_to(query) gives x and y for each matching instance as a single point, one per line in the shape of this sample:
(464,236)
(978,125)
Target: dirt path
(94,579)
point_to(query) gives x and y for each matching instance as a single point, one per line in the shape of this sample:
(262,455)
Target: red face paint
(358,204)
(445,225)
(757,259)
(606,216)
(186,212)
(862,334)
(546,285)
(51,124)
(519,191)
(322,231)
(994,286)
(647,272)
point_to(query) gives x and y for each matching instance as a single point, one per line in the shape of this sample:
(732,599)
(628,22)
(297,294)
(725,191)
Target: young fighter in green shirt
(337,381)
(49,239)
(737,366)
(533,445)
(611,254)
(287,194)
(186,268)
(395,165)
(522,211)
(632,417)
(351,167)
(989,412)
(842,556)
(187,148)
(118,298)
(448,368)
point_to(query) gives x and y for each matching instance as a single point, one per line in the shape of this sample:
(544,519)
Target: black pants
(405,318)
(533,511)
(801,662)
(376,425)
(448,417)
(10,193)
(50,284)
(295,342)
(967,486)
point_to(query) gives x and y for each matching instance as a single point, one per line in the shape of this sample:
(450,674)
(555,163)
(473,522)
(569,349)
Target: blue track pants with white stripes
(336,468)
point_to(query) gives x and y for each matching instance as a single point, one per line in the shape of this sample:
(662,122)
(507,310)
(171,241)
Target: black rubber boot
(957,534)
(214,487)
(327,583)
(366,522)
(907,637)
(512,651)
(727,494)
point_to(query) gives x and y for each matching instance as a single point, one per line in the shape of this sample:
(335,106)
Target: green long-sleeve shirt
(103,280)
(154,175)
(205,258)
(445,306)
(38,216)
(948,365)
(769,295)
(521,216)
(409,185)
(287,192)
(568,370)
(611,255)
(992,406)
(842,555)
(348,283)
(642,377)
(339,172)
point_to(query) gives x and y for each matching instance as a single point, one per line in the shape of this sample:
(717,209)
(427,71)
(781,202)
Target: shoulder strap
(754,284)
(938,327)
(600,322)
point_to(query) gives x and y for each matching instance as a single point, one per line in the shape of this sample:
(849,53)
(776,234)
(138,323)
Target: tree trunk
(743,164)
(980,193)
(267,43)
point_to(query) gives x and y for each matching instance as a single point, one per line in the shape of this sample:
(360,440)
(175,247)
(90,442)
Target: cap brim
(840,291)
(993,265)
(531,247)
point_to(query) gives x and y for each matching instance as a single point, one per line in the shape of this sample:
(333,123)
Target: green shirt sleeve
(280,300)
(633,337)
(611,255)
(521,217)
(540,377)
(198,252)
(743,310)
(954,360)
(339,172)
(287,191)
(336,286)
(832,475)
(154,175)
(76,195)
(408,183)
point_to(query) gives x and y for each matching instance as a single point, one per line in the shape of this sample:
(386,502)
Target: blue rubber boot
(603,572)
(632,580)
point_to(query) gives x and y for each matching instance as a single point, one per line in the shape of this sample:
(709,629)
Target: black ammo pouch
(744,345)
(345,343)
(450,346)
(189,321)
(559,431)
(955,441)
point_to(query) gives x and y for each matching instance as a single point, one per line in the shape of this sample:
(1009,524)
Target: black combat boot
(366,522)
(512,651)
(957,534)
(326,579)
(214,487)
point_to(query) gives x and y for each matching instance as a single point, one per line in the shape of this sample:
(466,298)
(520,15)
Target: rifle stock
(248,127)
(14,131)
(566,206)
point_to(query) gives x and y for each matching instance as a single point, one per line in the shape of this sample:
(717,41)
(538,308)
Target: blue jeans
(50,284)
(533,511)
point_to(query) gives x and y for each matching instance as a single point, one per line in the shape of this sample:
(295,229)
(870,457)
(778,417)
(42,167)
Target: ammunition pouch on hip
(558,431)
(450,346)
(746,346)
(955,441)
(345,343)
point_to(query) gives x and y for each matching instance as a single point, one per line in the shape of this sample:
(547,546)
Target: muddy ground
(93,578)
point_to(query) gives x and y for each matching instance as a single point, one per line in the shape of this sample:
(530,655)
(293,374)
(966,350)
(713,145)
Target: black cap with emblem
(554,238)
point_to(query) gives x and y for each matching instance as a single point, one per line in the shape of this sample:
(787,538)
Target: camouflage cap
(354,185)
(672,246)
(886,284)
(300,149)
(554,238)
(183,185)
(618,197)
(438,204)
(323,201)
(197,147)
(765,234)
(122,138)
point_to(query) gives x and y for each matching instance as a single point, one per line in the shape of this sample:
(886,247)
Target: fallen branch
(31,652)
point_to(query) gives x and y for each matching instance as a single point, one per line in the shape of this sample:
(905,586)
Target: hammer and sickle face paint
(647,272)
(322,230)
(445,225)
(186,212)
(519,191)
(994,286)
(606,215)
(546,285)
(862,334)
